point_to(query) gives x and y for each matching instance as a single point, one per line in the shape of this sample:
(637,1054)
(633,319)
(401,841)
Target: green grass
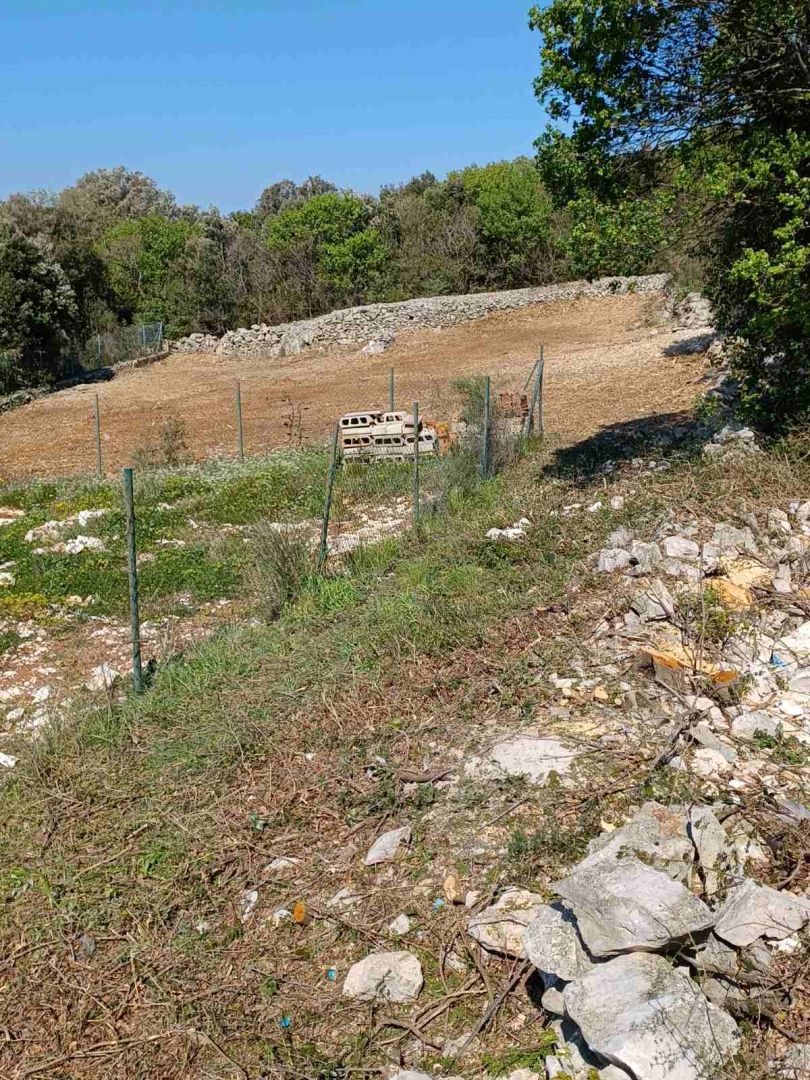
(139,820)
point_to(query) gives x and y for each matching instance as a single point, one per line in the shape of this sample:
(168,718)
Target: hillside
(609,359)
(188,875)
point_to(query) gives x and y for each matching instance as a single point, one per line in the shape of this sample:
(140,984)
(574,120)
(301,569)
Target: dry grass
(130,836)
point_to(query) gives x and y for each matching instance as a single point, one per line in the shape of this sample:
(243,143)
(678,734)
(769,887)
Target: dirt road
(606,361)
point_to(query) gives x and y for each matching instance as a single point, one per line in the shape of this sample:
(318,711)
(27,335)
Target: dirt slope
(607,361)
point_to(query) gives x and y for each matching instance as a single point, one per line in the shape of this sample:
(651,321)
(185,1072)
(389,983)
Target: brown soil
(606,361)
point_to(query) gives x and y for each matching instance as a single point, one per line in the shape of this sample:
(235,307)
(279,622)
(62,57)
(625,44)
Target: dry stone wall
(379,323)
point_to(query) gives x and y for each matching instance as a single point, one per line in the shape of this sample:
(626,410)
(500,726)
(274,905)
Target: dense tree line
(115,249)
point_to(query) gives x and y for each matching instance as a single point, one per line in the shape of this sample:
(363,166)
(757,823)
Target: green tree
(514,215)
(38,313)
(149,263)
(646,82)
(327,251)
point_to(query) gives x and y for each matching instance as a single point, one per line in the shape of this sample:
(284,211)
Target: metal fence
(124,343)
(415,464)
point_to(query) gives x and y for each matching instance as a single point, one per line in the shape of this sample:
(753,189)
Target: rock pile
(375,325)
(638,958)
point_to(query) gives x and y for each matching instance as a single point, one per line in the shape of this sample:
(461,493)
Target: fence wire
(394,467)
(124,343)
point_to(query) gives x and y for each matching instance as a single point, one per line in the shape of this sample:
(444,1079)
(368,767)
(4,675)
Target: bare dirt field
(607,360)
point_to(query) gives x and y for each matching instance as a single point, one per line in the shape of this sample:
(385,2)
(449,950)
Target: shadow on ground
(647,436)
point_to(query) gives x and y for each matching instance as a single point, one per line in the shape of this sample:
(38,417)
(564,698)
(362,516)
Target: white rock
(657,834)
(7,579)
(645,1015)
(617,502)
(553,945)
(679,547)
(102,678)
(247,903)
(611,559)
(501,926)
(527,755)
(385,847)
(7,761)
(644,557)
(41,694)
(622,905)
(81,543)
(400,925)
(710,763)
(409,1074)
(395,976)
(84,517)
(795,647)
(753,911)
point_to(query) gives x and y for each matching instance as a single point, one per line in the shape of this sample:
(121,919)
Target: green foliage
(38,313)
(146,258)
(761,284)
(625,237)
(514,212)
(718,93)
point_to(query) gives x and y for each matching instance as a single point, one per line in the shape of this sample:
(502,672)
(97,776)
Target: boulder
(553,945)
(501,927)
(612,559)
(730,540)
(644,557)
(644,1015)
(753,911)
(657,833)
(395,976)
(623,905)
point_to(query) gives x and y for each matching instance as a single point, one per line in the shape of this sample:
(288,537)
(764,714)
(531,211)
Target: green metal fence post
(540,411)
(97,425)
(415,463)
(487,423)
(327,506)
(132,569)
(390,389)
(240,435)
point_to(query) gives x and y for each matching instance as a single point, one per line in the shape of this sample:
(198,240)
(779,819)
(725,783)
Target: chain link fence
(124,343)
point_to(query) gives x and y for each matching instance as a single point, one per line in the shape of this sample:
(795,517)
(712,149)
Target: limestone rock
(654,603)
(553,945)
(396,976)
(645,1015)
(655,832)
(526,754)
(753,911)
(501,927)
(710,842)
(680,547)
(385,847)
(612,559)
(623,905)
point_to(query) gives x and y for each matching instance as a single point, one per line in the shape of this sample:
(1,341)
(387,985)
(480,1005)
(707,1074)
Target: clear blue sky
(216,100)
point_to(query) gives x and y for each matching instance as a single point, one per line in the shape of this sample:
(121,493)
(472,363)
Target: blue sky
(216,100)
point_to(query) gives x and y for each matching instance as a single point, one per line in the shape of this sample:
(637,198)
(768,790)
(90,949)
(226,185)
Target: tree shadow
(690,346)
(647,436)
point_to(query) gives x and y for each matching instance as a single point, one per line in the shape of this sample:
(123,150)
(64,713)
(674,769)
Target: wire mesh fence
(390,468)
(125,343)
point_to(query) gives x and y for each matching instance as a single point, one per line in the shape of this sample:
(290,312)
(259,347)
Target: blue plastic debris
(438,904)
(285,1022)
(331,974)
